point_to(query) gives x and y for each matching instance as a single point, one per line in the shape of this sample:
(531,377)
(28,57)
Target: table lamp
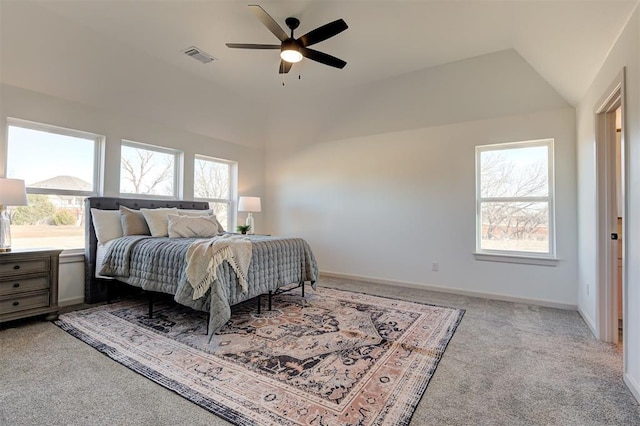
(12,193)
(250,205)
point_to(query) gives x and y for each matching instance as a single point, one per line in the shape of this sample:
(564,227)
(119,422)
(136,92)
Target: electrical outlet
(435,266)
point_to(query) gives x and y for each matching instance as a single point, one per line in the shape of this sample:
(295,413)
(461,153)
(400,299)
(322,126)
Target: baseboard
(483,295)
(589,321)
(633,386)
(72,301)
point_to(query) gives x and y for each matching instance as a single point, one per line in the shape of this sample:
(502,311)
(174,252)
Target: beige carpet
(507,364)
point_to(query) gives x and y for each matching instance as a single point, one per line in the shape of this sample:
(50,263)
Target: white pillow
(183,212)
(157,220)
(192,226)
(107,224)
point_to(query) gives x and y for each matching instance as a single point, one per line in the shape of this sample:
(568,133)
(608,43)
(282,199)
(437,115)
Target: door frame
(606,248)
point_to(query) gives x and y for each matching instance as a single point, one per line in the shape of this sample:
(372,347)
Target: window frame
(98,161)
(515,256)
(233,188)
(178,159)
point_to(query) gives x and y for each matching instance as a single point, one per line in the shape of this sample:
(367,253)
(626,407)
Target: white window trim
(233,188)
(98,169)
(98,163)
(512,256)
(178,162)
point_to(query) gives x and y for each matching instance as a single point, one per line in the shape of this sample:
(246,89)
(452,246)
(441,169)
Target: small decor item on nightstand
(243,229)
(250,205)
(12,193)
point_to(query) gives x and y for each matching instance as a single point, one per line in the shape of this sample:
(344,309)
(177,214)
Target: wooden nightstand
(29,284)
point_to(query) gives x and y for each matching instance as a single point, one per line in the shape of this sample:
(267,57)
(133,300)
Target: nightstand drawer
(22,285)
(23,303)
(24,267)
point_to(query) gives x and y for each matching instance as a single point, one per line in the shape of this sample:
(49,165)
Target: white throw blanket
(204,257)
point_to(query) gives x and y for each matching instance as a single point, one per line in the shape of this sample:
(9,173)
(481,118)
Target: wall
(28,105)
(623,54)
(376,177)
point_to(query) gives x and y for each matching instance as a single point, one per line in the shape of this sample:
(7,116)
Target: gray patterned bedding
(159,264)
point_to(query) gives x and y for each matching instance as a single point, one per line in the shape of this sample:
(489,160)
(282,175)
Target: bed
(158,263)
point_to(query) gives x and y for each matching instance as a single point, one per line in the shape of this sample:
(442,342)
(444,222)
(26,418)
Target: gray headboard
(95,289)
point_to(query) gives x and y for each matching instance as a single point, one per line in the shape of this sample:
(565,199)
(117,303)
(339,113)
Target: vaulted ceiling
(109,53)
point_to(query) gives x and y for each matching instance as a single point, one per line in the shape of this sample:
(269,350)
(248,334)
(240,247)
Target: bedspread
(159,264)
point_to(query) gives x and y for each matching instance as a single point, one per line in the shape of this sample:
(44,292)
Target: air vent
(198,54)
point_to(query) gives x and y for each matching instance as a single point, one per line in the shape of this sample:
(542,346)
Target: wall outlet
(435,266)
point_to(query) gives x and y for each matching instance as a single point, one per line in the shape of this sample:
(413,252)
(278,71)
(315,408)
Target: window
(514,194)
(214,180)
(60,168)
(147,170)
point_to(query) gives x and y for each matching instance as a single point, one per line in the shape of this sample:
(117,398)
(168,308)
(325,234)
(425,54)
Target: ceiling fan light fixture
(290,52)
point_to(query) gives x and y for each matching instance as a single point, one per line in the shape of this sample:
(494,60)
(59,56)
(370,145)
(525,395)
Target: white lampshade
(12,192)
(249,204)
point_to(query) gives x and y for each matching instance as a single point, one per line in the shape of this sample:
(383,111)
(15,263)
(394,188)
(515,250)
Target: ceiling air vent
(198,54)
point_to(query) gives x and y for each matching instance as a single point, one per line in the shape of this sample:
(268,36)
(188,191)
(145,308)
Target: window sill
(524,260)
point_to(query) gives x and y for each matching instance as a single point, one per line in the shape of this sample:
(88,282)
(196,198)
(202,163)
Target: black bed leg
(302,284)
(270,296)
(258,304)
(150,305)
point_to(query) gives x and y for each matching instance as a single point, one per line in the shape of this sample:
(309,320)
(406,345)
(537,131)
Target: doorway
(611,184)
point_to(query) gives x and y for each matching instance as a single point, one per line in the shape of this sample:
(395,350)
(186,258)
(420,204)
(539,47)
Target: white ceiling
(65,48)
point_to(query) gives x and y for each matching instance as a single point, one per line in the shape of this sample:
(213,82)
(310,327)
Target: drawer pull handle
(16,303)
(16,266)
(16,285)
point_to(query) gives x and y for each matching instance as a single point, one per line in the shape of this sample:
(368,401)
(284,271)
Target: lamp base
(5,230)
(249,222)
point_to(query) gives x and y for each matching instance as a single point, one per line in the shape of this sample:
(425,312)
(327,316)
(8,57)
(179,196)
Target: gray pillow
(133,222)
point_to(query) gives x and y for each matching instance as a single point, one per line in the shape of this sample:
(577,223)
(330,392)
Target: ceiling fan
(293,49)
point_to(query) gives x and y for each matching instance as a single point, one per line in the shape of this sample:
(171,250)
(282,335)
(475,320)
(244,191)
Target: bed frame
(96,289)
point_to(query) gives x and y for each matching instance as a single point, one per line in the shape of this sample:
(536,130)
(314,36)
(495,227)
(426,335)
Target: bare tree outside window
(213,182)
(514,201)
(147,171)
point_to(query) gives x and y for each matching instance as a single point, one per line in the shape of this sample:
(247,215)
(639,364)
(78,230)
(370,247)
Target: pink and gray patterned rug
(333,358)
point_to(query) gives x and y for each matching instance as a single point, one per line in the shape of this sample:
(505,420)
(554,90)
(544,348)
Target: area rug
(333,357)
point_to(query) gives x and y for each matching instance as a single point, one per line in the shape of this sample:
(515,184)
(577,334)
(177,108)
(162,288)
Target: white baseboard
(633,386)
(72,301)
(484,295)
(589,321)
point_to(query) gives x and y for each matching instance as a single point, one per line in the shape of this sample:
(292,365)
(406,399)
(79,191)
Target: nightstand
(29,284)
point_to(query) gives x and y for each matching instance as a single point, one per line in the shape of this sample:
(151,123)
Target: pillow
(106,224)
(183,212)
(133,222)
(192,226)
(157,220)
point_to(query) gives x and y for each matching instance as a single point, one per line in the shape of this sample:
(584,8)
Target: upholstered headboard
(95,289)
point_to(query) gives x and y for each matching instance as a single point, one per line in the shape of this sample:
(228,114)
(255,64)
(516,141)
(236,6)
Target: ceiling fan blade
(284,67)
(252,46)
(324,32)
(269,22)
(323,58)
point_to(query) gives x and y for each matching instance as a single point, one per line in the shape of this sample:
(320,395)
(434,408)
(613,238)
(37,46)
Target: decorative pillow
(192,226)
(183,212)
(157,220)
(133,222)
(106,224)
